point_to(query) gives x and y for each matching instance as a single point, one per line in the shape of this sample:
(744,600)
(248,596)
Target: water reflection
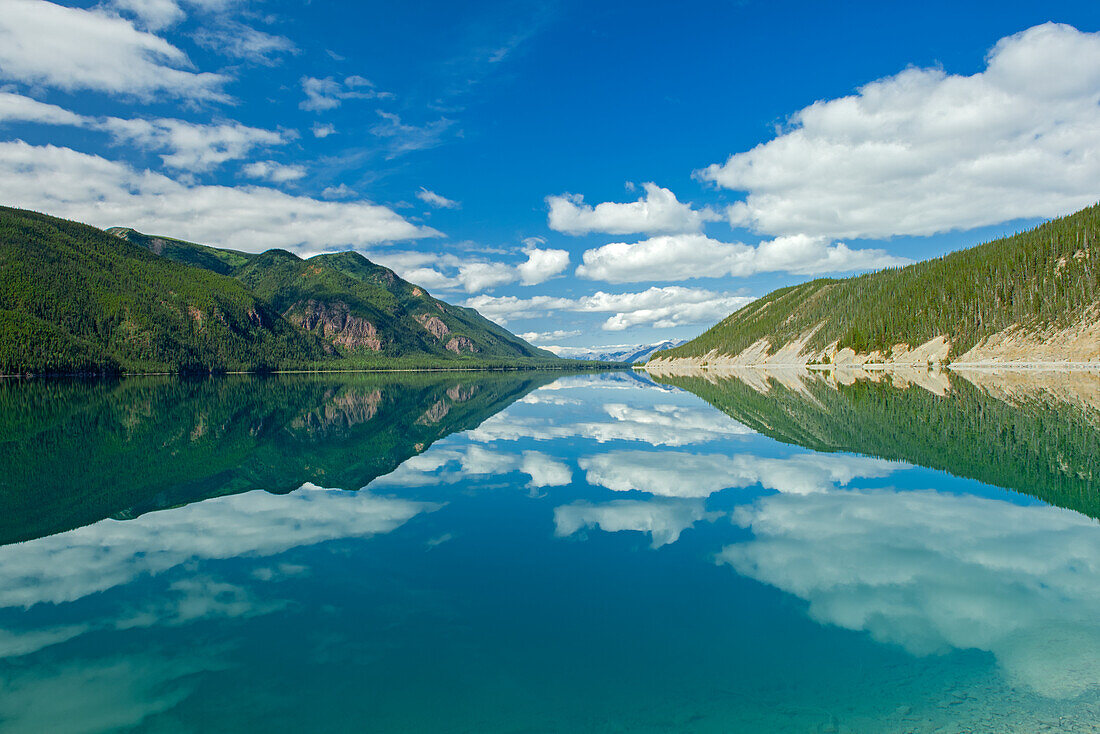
(932,571)
(78,452)
(576,554)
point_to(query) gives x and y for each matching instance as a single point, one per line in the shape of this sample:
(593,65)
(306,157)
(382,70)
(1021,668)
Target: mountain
(353,305)
(1031,297)
(633,353)
(74,298)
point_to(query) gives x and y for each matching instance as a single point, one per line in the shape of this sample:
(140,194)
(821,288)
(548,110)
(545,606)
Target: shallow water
(534,553)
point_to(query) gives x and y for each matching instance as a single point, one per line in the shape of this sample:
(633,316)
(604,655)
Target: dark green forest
(1047,276)
(76,299)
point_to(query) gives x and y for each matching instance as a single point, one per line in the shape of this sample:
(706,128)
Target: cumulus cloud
(435,200)
(541,265)
(75,49)
(323,131)
(106,193)
(663,519)
(328,93)
(682,474)
(932,572)
(193,147)
(547,336)
(448,271)
(656,307)
(925,151)
(658,211)
(275,172)
(685,256)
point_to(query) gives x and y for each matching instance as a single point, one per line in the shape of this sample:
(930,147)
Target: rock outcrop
(334,322)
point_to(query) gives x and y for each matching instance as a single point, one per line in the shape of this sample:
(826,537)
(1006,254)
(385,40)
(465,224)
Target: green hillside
(361,310)
(76,299)
(73,298)
(189,253)
(1048,276)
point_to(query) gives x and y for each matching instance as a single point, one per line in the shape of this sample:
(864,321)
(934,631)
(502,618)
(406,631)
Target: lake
(544,552)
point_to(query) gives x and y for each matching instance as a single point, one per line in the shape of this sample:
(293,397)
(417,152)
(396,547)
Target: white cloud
(663,308)
(17,108)
(323,131)
(328,93)
(933,571)
(924,151)
(685,256)
(74,49)
(656,307)
(272,171)
(664,519)
(153,15)
(547,336)
(343,191)
(657,212)
(541,265)
(105,193)
(239,41)
(502,308)
(447,271)
(435,200)
(479,276)
(194,147)
(681,474)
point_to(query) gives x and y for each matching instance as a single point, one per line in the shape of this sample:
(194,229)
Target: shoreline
(676,365)
(364,370)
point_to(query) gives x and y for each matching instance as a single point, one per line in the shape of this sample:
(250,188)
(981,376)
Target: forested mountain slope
(74,298)
(1035,293)
(356,306)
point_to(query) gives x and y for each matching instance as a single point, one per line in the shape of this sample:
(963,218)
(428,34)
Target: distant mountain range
(74,298)
(632,353)
(1033,297)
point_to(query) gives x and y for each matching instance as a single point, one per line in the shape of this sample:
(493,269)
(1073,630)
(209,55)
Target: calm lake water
(532,552)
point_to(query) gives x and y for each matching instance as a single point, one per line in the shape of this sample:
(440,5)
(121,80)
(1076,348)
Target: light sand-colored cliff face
(797,353)
(1077,345)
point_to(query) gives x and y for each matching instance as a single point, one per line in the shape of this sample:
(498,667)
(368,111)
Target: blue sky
(585,173)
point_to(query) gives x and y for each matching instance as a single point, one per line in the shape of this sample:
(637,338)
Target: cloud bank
(924,151)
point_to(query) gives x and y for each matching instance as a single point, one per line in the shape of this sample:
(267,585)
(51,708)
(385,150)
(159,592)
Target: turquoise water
(526,553)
